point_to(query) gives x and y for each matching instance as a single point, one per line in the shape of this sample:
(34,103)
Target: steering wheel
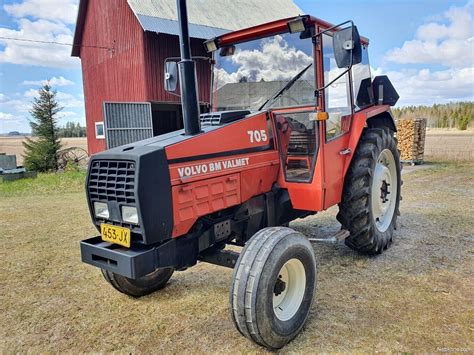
(296,125)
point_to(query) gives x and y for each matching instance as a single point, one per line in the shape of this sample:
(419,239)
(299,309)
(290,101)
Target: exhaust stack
(187,75)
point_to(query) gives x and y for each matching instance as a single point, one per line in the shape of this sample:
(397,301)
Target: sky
(426,47)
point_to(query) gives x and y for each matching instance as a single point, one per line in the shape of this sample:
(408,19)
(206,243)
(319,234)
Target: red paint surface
(194,200)
(231,137)
(273,28)
(257,176)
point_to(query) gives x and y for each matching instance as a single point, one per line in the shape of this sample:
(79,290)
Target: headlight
(130,214)
(101,210)
(296,25)
(210,45)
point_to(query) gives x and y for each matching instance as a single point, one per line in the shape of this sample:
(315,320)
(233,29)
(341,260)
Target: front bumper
(140,259)
(132,263)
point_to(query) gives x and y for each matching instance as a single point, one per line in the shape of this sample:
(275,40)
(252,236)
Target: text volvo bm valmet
(297,125)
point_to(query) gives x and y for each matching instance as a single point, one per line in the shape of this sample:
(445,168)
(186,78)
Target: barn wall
(157,48)
(132,69)
(110,75)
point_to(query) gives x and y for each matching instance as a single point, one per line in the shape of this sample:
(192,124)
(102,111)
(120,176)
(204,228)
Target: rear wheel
(371,195)
(142,286)
(273,286)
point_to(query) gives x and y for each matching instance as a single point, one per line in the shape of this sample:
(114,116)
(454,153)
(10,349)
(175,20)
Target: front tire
(273,286)
(142,286)
(371,195)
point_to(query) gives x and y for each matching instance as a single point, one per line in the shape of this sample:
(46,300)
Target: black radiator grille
(112,180)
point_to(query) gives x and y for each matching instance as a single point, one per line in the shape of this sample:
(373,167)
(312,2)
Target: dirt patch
(416,297)
(14,145)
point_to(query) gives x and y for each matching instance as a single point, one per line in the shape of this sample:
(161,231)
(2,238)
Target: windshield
(259,69)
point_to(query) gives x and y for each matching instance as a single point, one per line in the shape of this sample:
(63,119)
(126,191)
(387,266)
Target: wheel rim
(289,289)
(384,190)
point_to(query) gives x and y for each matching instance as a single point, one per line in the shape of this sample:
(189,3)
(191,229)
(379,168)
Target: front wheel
(273,286)
(371,195)
(142,286)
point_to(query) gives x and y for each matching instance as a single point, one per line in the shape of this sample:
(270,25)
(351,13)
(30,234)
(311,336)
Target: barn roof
(207,18)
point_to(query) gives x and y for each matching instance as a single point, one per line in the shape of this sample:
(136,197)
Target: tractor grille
(112,180)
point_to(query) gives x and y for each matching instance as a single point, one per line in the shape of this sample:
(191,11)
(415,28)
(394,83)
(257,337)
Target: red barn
(123,45)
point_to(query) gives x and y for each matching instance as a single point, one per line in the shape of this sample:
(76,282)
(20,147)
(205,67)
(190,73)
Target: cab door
(337,102)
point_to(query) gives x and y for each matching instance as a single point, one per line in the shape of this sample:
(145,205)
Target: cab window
(362,82)
(298,144)
(259,68)
(337,96)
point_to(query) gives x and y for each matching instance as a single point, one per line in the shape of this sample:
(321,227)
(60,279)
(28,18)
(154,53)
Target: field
(13,145)
(416,297)
(442,144)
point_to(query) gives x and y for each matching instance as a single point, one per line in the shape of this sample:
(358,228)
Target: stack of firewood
(411,139)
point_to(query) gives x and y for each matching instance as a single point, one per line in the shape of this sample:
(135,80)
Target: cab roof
(271,29)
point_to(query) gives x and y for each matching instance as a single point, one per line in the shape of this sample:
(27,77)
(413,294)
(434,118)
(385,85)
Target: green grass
(45,184)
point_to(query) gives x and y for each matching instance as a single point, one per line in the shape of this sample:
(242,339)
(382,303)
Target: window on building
(99,130)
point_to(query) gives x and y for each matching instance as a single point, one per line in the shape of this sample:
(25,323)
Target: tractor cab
(311,78)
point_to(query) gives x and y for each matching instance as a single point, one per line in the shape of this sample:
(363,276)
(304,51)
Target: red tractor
(297,125)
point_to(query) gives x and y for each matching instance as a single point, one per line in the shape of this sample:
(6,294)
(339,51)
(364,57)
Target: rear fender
(384,119)
(374,116)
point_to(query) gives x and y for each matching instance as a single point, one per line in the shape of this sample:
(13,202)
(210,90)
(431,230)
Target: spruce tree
(41,152)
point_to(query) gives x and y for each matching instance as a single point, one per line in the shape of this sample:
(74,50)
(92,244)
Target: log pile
(411,139)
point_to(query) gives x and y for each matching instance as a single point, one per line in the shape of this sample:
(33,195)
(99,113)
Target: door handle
(345,151)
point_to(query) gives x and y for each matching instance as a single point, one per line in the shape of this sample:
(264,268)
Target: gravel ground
(416,297)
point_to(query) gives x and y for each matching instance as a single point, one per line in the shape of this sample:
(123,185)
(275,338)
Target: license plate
(115,234)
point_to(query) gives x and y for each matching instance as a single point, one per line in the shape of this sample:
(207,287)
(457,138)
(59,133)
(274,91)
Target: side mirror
(227,51)
(347,47)
(171,76)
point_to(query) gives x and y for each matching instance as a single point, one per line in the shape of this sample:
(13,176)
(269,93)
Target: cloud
(54,82)
(18,103)
(4,116)
(69,101)
(274,61)
(450,45)
(428,87)
(22,103)
(38,54)
(447,41)
(57,10)
(31,93)
(3,98)
(64,99)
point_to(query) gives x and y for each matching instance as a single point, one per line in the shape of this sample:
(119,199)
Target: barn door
(127,122)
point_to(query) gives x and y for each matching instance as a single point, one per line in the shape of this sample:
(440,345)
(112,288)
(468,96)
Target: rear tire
(142,286)
(371,195)
(273,286)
